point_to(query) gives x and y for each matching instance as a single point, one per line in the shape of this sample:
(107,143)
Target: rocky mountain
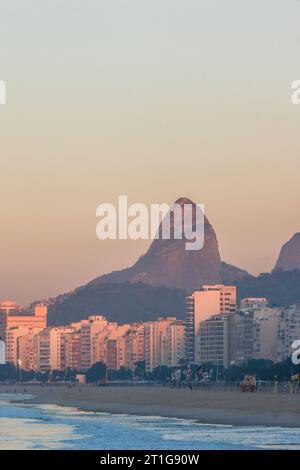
(168,263)
(289,257)
(154,286)
(157,283)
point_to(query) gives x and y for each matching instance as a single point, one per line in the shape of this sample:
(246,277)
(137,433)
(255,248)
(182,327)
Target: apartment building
(213,344)
(176,343)
(200,306)
(134,345)
(288,330)
(41,351)
(90,328)
(73,350)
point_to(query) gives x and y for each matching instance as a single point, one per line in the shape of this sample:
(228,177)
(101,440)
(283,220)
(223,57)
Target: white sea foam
(26,426)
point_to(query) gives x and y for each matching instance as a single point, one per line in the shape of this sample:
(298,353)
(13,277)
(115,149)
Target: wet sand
(206,406)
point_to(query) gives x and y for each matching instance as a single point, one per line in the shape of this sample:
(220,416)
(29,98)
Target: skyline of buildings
(214,331)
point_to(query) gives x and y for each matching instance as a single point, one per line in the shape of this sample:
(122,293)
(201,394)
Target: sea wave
(29,426)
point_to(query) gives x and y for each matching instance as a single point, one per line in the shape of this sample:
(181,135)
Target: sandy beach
(206,406)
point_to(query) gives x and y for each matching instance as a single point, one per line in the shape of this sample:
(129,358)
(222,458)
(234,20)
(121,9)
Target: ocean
(27,426)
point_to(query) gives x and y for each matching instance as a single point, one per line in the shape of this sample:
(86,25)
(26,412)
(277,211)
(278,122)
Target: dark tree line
(264,370)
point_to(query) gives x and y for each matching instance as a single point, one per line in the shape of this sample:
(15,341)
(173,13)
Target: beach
(205,406)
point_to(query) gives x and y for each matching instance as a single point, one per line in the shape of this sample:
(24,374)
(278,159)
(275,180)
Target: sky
(154,99)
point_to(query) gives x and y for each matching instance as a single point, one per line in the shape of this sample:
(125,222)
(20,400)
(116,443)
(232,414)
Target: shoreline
(204,406)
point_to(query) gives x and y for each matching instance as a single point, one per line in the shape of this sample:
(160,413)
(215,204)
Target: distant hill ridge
(157,283)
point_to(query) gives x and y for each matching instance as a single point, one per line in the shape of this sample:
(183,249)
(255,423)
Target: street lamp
(106,374)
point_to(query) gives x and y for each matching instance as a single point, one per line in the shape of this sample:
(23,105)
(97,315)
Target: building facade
(90,328)
(165,342)
(288,330)
(73,350)
(254,303)
(41,353)
(213,341)
(201,305)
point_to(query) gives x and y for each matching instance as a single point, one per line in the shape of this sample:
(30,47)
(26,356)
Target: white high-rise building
(265,333)
(41,351)
(164,342)
(202,304)
(57,346)
(176,340)
(90,329)
(213,345)
(134,345)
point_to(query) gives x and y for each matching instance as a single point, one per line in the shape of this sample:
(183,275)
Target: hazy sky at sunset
(155,99)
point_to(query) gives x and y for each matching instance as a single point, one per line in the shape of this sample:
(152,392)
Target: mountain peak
(296,236)
(168,262)
(289,257)
(184,200)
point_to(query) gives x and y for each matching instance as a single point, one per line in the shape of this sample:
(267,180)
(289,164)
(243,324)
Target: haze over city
(150,231)
(96,113)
